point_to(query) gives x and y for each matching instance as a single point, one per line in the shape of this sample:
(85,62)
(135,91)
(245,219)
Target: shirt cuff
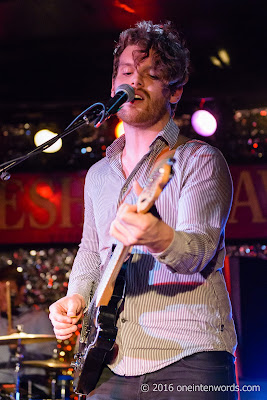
(165,254)
(177,256)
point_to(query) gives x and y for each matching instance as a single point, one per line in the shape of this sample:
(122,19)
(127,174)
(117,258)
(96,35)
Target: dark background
(61,50)
(56,60)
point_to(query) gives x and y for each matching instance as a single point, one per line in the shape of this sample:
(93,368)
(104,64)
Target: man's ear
(175,97)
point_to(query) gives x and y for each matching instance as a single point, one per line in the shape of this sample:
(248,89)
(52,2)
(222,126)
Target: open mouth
(137,97)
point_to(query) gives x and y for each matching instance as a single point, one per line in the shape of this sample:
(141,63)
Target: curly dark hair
(170,55)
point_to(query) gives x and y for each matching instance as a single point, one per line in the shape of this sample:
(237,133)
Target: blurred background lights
(215,61)
(224,56)
(44,135)
(222,60)
(204,123)
(119,129)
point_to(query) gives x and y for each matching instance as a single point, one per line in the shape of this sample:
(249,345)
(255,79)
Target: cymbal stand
(18,358)
(18,355)
(29,397)
(53,386)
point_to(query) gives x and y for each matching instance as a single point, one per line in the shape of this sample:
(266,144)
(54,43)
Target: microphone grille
(129,90)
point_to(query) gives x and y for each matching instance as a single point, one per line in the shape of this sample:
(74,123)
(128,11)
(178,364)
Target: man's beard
(145,117)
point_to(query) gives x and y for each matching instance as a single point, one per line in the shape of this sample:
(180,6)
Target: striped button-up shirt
(176,302)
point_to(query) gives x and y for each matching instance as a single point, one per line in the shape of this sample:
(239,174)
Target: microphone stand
(95,113)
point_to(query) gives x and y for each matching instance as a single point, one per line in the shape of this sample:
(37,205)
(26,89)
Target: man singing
(175,329)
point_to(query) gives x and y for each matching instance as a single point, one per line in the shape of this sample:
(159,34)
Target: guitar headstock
(155,184)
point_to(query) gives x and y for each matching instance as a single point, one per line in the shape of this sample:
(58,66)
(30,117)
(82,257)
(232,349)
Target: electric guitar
(99,329)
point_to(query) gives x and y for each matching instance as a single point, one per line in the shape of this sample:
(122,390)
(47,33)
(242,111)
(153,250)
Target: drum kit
(59,384)
(53,367)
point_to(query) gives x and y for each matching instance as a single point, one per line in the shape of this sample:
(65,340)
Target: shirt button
(124,189)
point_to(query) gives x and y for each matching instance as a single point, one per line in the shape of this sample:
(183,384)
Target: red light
(202,102)
(255,145)
(50,283)
(263,113)
(117,3)
(44,191)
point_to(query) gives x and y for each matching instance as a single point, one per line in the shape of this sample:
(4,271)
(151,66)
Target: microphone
(124,93)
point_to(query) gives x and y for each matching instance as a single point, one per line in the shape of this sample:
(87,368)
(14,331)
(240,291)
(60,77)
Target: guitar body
(100,335)
(99,329)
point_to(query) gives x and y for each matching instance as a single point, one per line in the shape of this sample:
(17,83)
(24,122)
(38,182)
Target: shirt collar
(169,133)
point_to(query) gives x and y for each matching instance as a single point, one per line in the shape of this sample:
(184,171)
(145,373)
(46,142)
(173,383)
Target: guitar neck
(107,283)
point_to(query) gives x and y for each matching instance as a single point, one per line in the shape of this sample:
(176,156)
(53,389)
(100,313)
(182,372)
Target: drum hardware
(29,395)
(8,304)
(51,363)
(18,358)
(53,387)
(25,338)
(17,340)
(64,386)
(20,338)
(53,366)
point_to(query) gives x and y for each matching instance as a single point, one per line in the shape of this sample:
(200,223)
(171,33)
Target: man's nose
(137,80)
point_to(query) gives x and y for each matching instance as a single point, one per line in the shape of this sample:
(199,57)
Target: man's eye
(126,73)
(153,76)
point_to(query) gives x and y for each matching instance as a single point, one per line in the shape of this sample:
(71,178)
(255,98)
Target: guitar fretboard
(106,285)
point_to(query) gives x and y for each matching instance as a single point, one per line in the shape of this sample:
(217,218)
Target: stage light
(44,135)
(215,61)
(222,60)
(119,129)
(224,56)
(204,123)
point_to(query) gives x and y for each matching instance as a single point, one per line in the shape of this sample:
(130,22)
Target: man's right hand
(64,315)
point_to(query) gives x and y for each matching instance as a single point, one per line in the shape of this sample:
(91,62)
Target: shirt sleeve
(203,209)
(86,267)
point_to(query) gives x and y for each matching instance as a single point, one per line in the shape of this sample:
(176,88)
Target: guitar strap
(164,155)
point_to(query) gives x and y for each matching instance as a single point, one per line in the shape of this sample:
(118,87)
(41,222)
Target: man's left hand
(132,228)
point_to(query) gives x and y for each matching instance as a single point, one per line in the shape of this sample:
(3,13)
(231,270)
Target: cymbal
(25,338)
(51,364)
